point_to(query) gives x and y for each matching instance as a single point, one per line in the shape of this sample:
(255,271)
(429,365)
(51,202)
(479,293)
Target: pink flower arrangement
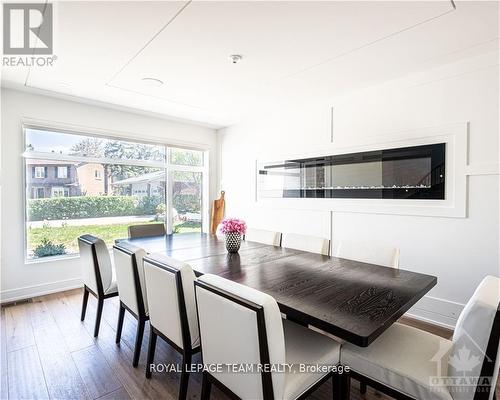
(233,225)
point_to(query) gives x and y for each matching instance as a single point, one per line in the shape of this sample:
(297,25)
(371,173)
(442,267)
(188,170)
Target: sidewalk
(92,221)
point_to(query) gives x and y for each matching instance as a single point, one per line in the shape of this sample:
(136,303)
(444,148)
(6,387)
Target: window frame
(62,168)
(38,168)
(58,189)
(123,136)
(36,189)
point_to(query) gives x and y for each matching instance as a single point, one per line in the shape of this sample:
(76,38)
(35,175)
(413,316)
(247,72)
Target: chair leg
(151,352)
(345,386)
(138,341)
(336,386)
(100,304)
(186,361)
(206,387)
(362,387)
(119,326)
(84,302)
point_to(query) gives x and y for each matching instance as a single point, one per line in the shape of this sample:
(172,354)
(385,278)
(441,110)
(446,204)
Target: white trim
(38,169)
(57,189)
(27,292)
(437,311)
(205,194)
(39,155)
(61,257)
(169,197)
(62,168)
(483,169)
(27,123)
(440,322)
(74,129)
(106,105)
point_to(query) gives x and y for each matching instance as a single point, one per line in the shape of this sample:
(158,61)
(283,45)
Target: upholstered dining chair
(131,290)
(263,236)
(408,363)
(98,276)
(308,243)
(371,253)
(242,326)
(172,311)
(146,230)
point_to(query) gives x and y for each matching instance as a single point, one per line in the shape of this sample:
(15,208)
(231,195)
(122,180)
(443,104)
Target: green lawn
(68,235)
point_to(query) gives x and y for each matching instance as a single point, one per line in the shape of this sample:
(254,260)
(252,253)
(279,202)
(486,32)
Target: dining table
(352,300)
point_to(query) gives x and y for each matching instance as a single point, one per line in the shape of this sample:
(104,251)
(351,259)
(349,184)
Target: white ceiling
(290,49)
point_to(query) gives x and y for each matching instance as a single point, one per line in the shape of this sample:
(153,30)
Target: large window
(81,184)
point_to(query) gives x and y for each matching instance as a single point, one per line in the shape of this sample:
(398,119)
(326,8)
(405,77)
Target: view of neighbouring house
(93,188)
(186,191)
(149,184)
(46,178)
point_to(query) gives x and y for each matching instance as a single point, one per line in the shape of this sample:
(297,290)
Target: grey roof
(149,177)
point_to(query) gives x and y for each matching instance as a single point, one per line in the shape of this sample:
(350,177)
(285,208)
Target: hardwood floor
(46,352)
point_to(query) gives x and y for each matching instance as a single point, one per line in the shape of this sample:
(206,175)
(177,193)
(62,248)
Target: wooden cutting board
(217,213)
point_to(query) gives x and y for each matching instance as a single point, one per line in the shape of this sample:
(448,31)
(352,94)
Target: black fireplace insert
(416,172)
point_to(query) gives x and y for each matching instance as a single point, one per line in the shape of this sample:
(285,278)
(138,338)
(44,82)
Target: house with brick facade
(46,178)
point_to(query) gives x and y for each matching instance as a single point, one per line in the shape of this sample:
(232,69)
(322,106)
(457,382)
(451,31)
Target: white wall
(20,279)
(459,251)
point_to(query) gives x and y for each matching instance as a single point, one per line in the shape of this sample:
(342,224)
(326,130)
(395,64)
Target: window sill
(42,260)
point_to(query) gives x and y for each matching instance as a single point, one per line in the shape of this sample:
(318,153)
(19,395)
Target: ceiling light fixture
(152,82)
(235,58)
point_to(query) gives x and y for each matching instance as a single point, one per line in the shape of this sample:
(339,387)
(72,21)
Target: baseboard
(10,295)
(436,311)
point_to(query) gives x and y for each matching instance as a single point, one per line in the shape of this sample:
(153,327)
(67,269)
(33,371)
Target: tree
(186,191)
(88,147)
(186,157)
(116,149)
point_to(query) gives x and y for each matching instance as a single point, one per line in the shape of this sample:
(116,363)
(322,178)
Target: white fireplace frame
(454,205)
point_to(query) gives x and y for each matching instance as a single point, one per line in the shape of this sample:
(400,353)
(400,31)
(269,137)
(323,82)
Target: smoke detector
(235,58)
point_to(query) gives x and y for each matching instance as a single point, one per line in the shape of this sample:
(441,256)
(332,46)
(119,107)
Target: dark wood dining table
(351,300)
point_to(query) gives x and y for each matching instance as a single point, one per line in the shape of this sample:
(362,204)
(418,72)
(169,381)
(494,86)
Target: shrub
(187,203)
(89,207)
(148,205)
(161,210)
(47,248)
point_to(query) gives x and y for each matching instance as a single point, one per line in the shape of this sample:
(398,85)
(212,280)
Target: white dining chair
(371,253)
(172,311)
(242,326)
(131,291)
(146,230)
(311,244)
(97,273)
(263,236)
(409,363)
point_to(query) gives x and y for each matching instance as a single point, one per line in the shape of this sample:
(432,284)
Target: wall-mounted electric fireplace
(416,172)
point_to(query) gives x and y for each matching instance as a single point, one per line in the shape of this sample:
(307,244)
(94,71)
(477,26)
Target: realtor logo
(459,367)
(27,28)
